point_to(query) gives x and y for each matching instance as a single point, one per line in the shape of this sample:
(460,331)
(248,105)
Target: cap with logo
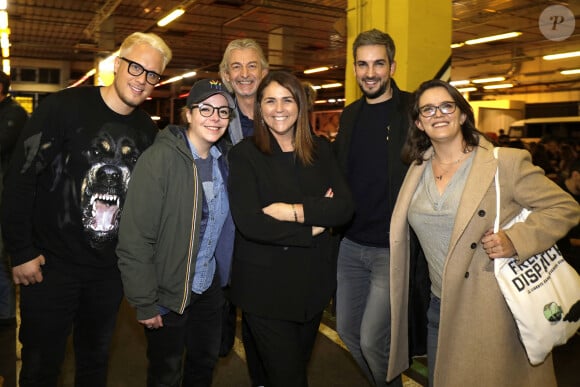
(205,88)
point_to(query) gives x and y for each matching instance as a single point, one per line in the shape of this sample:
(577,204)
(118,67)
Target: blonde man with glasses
(63,198)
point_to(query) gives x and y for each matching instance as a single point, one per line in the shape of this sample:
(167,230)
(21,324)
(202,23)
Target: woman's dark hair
(418,142)
(303,141)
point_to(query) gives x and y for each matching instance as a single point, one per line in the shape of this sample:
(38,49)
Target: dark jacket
(280,270)
(12,120)
(159,232)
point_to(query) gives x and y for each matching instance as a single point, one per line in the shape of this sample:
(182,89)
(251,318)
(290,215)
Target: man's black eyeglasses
(135,69)
(207,110)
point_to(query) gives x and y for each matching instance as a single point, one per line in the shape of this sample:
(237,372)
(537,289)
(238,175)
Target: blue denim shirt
(217,204)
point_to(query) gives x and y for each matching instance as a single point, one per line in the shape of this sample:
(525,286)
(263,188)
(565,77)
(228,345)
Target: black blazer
(280,270)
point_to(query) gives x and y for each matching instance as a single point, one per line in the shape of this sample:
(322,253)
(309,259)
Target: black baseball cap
(205,88)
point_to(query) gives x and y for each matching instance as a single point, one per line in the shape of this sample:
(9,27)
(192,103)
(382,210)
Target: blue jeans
(363,312)
(85,303)
(198,330)
(432,334)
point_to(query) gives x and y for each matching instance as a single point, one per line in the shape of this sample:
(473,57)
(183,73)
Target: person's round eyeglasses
(207,110)
(135,69)
(444,108)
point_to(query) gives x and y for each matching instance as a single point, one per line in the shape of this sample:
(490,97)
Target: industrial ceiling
(76,31)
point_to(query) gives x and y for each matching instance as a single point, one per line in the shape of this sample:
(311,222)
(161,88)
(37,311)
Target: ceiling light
(3,20)
(6,66)
(570,72)
(460,83)
(177,78)
(487,80)
(331,85)
(493,38)
(467,89)
(500,86)
(4,40)
(457,45)
(89,74)
(562,55)
(171,17)
(316,70)
(3,4)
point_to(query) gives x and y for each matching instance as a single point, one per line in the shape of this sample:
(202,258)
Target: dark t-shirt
(368,177)
(247,124)
(68,178)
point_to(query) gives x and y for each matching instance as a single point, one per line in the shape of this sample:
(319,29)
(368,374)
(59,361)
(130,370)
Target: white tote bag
(542,292)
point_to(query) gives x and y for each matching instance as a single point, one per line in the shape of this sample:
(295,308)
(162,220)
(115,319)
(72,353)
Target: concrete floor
(331,365)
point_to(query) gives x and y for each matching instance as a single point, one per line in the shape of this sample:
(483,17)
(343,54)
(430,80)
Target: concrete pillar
(421,30)
(281,47)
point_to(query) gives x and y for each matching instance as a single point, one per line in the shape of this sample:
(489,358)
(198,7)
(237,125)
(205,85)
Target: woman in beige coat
(448,198)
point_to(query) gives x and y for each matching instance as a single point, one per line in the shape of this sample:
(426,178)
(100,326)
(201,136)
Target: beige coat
(478,341)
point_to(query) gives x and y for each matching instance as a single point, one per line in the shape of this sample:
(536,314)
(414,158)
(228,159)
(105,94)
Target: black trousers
(198,330)
(284,348)
(255,366)
(84,303)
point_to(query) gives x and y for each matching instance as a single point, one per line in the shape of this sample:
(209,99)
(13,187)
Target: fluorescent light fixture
(189,74)
(3,20)
(563,55)
(5,52)
(331,85)
(457,45)
(487,80)
(3,4)
(460,83)
(4,40)
(89,74)
(177,78)
(467,89)
(493,38)
(155,118)
(316,70)
(500,86)
(171,17)
(570,72)
(6,66)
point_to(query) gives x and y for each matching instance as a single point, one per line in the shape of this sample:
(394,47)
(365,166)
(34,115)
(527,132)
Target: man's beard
(380,91)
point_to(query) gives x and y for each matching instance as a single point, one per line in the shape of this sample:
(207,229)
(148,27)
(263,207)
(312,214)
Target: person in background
(570,244)
(62,202)
(286,192)
(449,200)
(12,120)
(175,256)
(368,149)
(242,68)
(311,94)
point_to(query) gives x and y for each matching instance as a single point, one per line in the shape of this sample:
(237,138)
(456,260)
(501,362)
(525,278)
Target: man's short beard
(380,91)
